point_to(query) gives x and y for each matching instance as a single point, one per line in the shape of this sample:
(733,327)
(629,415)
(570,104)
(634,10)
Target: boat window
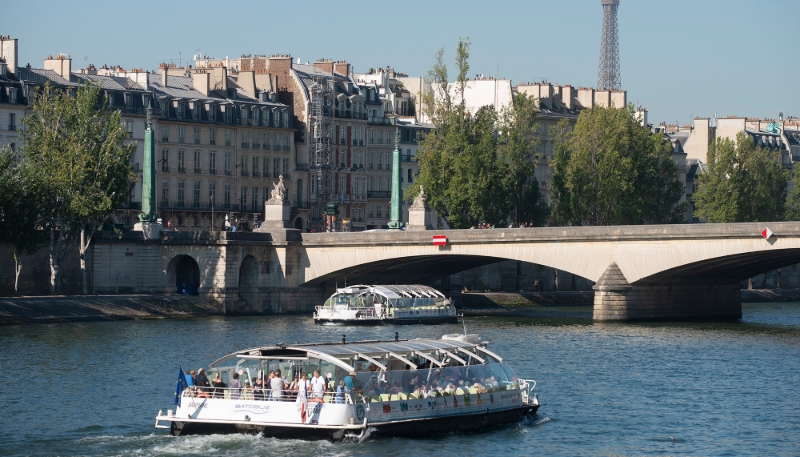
(472,378)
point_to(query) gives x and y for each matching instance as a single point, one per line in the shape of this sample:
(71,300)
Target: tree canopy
(744,183)
(77,148)
(610,170)
(477,168)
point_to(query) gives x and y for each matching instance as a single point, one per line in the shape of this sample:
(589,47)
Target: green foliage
(744,183)
(517,151)
(470,172)
(76,147)
(612,171)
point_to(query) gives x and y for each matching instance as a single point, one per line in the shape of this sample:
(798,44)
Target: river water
(606,389)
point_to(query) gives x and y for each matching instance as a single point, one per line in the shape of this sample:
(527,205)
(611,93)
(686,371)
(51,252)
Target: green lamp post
(148,213)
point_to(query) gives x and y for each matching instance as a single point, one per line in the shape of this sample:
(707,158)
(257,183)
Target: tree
(19,211)
(612,171)
(744,183)
(517,149)
(77,146)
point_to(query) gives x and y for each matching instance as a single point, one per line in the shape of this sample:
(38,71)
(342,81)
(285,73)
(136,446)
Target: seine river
(606,389)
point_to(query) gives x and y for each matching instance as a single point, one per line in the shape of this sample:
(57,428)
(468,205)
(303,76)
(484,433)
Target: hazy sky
(679,58)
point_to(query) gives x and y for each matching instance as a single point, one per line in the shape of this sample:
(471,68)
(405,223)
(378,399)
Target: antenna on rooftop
(608,77)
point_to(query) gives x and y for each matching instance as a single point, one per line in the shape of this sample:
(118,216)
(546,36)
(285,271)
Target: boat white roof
(341,354)
(395,291)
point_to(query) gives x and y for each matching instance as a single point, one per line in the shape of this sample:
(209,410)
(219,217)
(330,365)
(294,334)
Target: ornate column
(396,219)
(148,217)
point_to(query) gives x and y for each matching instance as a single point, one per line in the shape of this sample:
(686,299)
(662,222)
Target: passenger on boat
(277,384)
(396,388)
(349,381)
(318,386)
(293,385)
(190,378)
(424,391)
(258,389)
(302,388)
(236,387)
(218,386)
(341,391)
(200,380)
(331,384)
(247,392)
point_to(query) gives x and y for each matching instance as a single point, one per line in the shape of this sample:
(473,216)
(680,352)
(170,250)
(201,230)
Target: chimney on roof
(247,81)
(325,65)
(140,77)
(342,67)
(281,67)
(8,52)
(60,64)
(201,81)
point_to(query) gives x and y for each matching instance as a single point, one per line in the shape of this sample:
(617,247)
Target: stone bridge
(648,272)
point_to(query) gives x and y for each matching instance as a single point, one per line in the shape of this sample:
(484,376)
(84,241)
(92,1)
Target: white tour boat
(409,388)
(389,304)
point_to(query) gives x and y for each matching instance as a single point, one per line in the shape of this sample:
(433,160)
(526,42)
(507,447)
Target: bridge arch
(183,273)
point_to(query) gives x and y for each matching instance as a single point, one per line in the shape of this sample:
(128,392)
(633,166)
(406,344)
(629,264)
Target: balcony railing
(197,171)
(408,158)
(212,171)
(256,174)
(12,127)
(379,194)
(301,167)
(228,173)
(286,148)
(181,169)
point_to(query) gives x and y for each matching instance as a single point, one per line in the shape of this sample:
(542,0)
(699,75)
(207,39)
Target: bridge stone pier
(655,272)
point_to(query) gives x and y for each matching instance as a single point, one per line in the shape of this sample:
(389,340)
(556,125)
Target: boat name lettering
(507,396)
(255,409)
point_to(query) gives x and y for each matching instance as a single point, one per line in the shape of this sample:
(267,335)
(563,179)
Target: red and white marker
(766,233)
(439,240)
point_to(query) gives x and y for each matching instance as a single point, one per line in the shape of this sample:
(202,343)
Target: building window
(410,180)
(181,133)
(380,211)
(197,161)
(227,195)
(180,194)
(380,161)
(165,160)
(128,127)
(165,191)
(255,165)
(254,201)
(196,200)
(285,141)
(212,192)
(212,136)
(227,163)
(12,95)
(244,112)
(197,135)
(165,133)
(285,120)
(285,168)
(276,167)
(255,136)
(277,142)
(244,166)
(276,118)
(266,140)
(266,168)
(181,161)
(341,185)
(245,139)
(227,137)
(212,162)
(243,198)
(370,213)
(342,135)
(212,117)
(12,121)
(371,136)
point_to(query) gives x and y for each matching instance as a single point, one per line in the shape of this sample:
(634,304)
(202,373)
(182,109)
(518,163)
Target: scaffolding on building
(321,112)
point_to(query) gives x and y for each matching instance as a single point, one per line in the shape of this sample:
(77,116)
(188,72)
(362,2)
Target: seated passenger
(258,389)
(341,391)
(396,388)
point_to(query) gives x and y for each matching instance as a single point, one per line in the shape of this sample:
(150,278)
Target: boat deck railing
(364,312)
(226,393)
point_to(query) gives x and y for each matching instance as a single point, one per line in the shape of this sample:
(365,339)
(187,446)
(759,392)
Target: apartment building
(13,97)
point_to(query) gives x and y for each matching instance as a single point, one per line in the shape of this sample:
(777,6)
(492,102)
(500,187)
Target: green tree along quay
(610,170)
(744,183)
(19,211)
(517,149)
(471,172)
(77,148)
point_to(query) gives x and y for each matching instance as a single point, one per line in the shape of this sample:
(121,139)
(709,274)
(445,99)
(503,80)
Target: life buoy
(302,412)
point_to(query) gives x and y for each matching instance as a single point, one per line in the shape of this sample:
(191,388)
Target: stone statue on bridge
(279,191)
(419,201)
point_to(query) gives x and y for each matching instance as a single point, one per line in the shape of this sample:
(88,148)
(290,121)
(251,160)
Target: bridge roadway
(648,272)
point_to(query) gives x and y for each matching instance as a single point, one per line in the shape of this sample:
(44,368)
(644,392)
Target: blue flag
(180,386)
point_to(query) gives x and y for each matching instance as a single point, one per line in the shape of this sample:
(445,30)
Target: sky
(679,59)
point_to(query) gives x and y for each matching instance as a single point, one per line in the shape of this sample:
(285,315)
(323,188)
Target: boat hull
(411,428)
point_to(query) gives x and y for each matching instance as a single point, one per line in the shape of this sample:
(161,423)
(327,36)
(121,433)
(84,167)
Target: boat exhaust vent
(396,336)
(344,337)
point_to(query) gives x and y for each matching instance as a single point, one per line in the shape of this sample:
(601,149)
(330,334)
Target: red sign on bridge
(439,240)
